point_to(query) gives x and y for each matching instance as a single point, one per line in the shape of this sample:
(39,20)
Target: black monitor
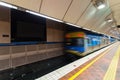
(27,27)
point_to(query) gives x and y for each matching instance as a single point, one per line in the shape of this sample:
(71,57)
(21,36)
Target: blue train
(81,43)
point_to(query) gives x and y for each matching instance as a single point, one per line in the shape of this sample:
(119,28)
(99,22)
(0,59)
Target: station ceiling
(82,13)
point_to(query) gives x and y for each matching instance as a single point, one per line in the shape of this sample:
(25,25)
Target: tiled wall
(55,31)
(4,24)
(17,55)
(4,57)
(13,56)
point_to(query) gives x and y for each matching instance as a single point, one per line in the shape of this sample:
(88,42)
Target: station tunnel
(59,40)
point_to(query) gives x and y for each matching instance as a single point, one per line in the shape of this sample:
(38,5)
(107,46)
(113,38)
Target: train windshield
(75,42)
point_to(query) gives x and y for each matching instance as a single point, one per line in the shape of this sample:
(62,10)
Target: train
(82,43)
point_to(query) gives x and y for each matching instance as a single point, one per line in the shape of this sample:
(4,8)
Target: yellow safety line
(111,72)
(87,66)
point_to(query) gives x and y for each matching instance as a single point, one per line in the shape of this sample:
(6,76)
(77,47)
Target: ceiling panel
(117,13)
(107,30)
(98,18)
(89,13)
(100,21)
(9,1)
(117,17)
(87,16)
(102,27)
(55,8)
(105,27)
(118,20)
(113,2)
(76,9)
(115,6)
(29,4)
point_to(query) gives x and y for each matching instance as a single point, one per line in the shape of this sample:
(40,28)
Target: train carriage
(81,43)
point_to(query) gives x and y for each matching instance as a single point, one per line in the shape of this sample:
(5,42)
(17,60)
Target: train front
(75,43)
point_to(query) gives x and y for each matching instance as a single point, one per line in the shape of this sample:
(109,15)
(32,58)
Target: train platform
(100,65)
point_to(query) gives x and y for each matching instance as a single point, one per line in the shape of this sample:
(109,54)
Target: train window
(75,42)
(89,41)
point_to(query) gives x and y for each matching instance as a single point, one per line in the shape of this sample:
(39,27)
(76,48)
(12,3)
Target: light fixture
(7,5)
(41,15)
(100,4)
(94,31)
(87,29)
(73,25)
(98,32)
(113,26)
(109,20)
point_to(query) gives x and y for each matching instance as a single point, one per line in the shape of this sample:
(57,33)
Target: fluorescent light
(41,15)
(34,13)
(109,20)
(98,32)
(7,5)
(101,6)
(73,25)
(113,26)
(94,31)
(87,29)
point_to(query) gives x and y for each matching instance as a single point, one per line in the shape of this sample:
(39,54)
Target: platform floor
(104,66)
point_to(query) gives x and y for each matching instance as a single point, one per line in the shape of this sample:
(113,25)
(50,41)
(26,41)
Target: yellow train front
(81,43)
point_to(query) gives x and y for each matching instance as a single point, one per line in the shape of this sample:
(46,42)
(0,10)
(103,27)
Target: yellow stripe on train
(75,34)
